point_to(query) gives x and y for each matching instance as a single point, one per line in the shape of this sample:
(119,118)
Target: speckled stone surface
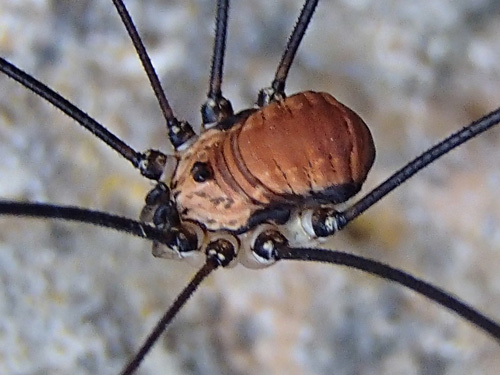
(79,300)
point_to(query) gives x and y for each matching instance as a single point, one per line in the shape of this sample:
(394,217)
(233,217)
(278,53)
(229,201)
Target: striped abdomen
(304,150)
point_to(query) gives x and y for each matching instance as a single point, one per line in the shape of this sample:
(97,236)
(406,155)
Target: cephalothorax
(257,186)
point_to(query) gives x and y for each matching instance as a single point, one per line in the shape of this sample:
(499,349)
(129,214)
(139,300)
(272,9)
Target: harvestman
(151,166)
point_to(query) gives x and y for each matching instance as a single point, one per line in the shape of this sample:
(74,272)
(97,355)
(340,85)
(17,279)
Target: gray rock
(80,300)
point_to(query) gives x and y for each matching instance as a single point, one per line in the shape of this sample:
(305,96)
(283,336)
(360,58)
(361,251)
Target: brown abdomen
(306,145)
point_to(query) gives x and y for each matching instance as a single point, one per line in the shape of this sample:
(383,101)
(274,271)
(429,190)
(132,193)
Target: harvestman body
(240,191)
(235,179)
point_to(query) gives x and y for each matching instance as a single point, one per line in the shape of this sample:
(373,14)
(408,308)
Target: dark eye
(201,172)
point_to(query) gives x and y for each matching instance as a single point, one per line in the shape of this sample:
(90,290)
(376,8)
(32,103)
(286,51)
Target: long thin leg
(72,111)
(330,221)
(272,246)
(149,163)
(277,89)
(179,132)
(387,272)
(169,315)
(453,141)
(82,215)
(217,108)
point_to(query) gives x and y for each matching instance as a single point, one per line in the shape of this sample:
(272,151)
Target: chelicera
(191,206)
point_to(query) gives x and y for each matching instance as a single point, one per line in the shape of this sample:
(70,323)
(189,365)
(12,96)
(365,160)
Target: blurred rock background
(80,300)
